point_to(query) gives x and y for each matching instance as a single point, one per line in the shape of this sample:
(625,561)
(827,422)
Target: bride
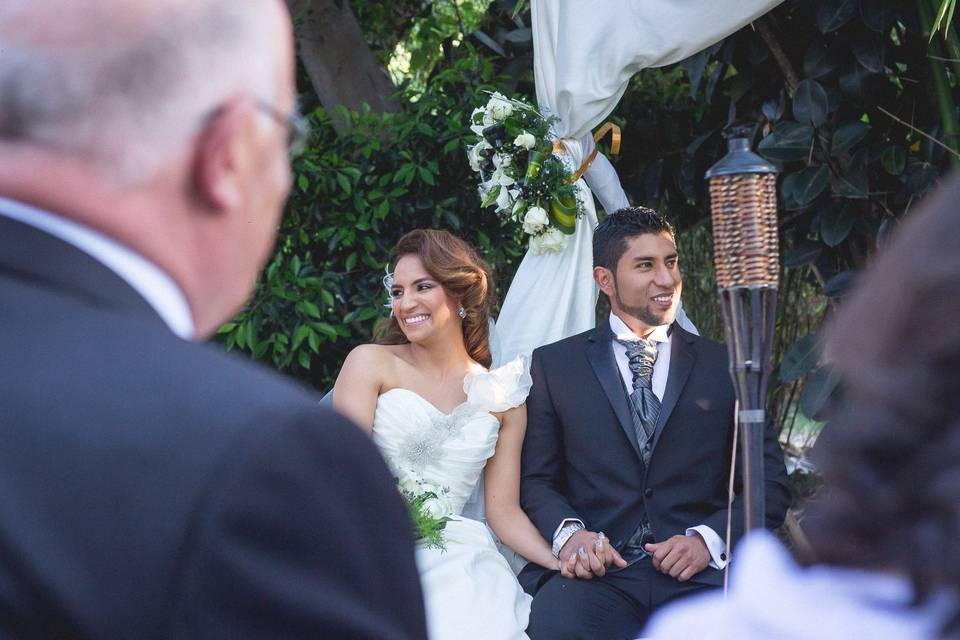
(440,416)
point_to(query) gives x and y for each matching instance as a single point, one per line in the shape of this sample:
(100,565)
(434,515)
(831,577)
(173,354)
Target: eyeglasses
(298,129)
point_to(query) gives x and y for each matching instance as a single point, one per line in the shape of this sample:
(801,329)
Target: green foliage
(427,528)
(354,195)
(859,142)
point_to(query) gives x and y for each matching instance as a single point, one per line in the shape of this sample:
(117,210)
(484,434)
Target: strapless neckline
(426,402)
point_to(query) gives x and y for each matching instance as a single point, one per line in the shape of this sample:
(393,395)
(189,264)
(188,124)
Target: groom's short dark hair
(611,235)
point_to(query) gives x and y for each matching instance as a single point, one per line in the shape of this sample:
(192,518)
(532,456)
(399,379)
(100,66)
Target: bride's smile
(420,303)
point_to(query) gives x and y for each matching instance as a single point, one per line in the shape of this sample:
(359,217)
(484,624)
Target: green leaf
(853,184)
(806,185)
(894,159)
(800,359)
(426,176)
(805,252)
(840,284)
(835,226)
(327,297)
(788,141)
(846,136)
(300,335)
(869,52)
(303,357)
(313,339)
(810,103)
(819,59)
(344,183)
(491,197)
(326,330)
(833,14)
(351,262)
(367,314)
(312,310)
(817,393)
(227,328)
(303,182)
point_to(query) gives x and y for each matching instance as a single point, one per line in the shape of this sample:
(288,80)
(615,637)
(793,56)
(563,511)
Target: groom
(627,453)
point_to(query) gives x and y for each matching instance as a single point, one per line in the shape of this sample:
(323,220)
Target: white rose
(499,108)
(408,481)
(438,507)
(550,240)
(525,140)
(473,155)
(505,198)
(535,220)
(501,177)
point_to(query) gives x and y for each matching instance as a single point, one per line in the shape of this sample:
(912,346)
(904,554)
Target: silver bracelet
(563,535)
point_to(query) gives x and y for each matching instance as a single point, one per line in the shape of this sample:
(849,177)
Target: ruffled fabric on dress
(499,389)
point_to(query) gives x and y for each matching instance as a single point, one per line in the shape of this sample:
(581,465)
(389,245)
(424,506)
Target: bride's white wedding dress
(469,589)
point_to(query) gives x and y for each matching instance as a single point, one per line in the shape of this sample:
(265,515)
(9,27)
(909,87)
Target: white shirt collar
(622,332)
(146,278)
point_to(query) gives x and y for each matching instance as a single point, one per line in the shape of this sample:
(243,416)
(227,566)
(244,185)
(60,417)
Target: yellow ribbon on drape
(563,214)
(614,132)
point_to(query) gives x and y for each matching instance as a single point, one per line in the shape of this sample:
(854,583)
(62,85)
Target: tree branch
(778,54)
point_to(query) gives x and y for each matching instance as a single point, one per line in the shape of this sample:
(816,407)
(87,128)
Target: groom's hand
(587,554)
(680,557)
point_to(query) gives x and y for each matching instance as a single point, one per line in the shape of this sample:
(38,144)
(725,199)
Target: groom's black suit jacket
(581,459)
(155,488)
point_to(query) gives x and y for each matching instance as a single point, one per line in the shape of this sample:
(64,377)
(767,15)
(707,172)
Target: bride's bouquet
(429,509)
(520,175)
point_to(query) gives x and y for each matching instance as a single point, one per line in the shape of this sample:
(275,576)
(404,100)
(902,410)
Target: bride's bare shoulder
(374,357)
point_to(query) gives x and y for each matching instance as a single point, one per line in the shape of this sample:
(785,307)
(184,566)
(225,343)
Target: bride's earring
(462,312)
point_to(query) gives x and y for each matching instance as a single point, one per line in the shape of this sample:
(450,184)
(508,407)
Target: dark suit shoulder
(562,348)
(707,348)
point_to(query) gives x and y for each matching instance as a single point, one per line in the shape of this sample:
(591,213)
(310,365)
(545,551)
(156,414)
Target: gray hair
(123,93)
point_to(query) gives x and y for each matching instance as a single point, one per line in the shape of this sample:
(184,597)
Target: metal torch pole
(743,203)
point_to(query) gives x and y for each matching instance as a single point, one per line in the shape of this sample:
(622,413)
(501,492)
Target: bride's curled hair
(463,274)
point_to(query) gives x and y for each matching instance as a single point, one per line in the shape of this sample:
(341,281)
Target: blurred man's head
(163,124)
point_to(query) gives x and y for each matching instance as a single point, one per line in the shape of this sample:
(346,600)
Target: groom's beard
(646,314)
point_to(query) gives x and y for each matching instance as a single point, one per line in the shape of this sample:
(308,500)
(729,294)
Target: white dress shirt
(153,284)
(772,597)
(661,368)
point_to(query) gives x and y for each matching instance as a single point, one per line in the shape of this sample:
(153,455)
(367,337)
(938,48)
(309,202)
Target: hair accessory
(388,285)
(462,312)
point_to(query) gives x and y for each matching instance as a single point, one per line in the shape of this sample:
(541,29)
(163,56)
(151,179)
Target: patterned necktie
(641,355)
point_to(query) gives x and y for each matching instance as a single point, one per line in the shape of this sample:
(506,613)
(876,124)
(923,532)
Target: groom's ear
(604,279)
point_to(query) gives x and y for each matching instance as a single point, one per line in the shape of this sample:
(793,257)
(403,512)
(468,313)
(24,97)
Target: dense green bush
(354,195)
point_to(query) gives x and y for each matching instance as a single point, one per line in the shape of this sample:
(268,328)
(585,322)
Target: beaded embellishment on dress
(422,446)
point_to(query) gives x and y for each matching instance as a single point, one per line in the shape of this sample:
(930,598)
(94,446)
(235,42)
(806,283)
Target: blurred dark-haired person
(886,526)
(626,461)
(152,486)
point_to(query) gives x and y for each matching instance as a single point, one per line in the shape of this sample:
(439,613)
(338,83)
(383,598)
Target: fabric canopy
(585,52)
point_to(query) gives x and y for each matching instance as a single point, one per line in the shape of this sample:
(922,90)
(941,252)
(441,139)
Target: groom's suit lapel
(600,356)
(682,357)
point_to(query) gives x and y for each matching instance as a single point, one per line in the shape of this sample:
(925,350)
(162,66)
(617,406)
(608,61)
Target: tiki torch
(743,201)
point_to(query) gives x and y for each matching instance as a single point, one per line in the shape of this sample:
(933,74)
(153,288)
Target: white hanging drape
(585,52)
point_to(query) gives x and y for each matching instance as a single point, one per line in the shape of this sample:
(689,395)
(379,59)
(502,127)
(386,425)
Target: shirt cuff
(715,545)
